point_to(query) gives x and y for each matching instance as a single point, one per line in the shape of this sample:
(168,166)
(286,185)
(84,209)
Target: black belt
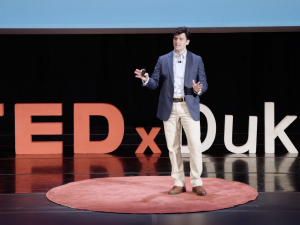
(178,100)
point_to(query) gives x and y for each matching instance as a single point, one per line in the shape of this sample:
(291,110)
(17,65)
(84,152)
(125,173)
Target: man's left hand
(197,87)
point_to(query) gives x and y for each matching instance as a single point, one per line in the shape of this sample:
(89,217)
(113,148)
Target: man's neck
(179,53)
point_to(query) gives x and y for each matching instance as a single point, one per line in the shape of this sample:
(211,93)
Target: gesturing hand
(138,74)
(197,87)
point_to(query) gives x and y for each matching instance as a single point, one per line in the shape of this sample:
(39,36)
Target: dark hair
(180,30)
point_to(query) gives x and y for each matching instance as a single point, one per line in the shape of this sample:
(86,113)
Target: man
(182,80)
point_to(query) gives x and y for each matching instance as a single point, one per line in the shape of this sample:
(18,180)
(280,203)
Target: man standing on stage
(182,80)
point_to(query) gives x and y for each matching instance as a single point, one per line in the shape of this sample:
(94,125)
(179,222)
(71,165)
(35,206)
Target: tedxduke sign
(24,129)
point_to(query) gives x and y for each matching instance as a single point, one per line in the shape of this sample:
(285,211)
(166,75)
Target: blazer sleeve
(154,79)
(202,76)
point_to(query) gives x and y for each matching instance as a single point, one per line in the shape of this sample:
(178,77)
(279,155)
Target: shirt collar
(183,56)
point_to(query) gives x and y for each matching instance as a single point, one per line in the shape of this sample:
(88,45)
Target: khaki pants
(180,116)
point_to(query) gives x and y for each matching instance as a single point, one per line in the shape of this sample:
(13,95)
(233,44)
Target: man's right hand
(138,74)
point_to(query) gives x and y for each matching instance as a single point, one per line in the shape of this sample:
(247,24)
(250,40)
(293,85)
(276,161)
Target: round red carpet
(149,194)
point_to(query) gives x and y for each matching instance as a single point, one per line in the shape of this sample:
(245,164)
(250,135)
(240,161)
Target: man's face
(180,42)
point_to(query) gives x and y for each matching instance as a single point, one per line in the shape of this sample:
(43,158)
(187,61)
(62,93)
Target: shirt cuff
(197,93)
(145,82)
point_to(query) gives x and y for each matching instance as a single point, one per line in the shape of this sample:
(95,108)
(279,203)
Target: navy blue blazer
(163,76)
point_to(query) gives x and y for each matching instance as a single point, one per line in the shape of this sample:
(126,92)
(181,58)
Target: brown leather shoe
(177,190)
(199,190)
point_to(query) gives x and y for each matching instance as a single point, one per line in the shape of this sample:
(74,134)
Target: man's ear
(187,42)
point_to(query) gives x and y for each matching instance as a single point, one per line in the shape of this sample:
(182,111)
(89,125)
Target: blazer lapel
(188,67)
(170,65)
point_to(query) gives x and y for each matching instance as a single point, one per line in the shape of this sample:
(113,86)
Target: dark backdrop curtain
(244,70)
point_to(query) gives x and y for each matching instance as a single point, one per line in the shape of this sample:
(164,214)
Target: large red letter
(1,109)
(24,128)
(82,113)
(148,140)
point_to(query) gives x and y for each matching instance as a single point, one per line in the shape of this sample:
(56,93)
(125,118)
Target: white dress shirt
(179,63)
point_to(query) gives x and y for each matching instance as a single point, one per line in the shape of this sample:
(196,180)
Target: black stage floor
(25,179)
